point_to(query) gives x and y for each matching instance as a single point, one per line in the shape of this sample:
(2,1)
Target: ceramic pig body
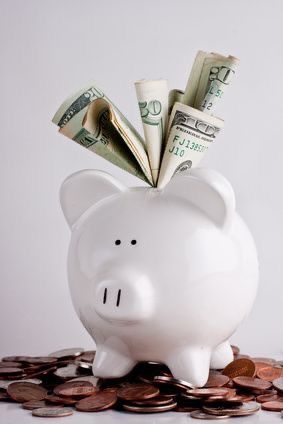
(161,275)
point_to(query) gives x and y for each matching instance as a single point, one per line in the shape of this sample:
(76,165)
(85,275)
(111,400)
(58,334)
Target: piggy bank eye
(134,242)
(117,242)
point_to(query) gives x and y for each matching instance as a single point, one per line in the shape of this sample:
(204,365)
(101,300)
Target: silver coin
(52,411)
(84,365)
(70,371)
(278,384)
(5,383)
(66,353)
(150,409)
(247,408)
(203,416)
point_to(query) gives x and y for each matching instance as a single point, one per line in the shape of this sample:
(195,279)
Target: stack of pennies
(62,382)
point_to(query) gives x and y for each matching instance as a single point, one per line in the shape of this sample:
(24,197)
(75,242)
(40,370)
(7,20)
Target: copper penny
(156,401)
(240,367)
(187,397)
(10,364)
(269,398)
(57,400)
(270,373)
(269,360)
(278,384)
(246,397)
(90,378)
(4,384)
(272,406)
(260,365)
(229,396)
(41,372)
(34,404)
(16,358)
(203,416)
(217,380)
(75,389)
(52,412)
(252,383)
(229,400)
(41,360)
(218,391)
(97,402)
(137,392)
(247,408)
(150,409)
(7,371)
(23,392)
(171,381)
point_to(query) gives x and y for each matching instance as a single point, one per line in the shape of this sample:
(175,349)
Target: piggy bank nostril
(118,297)
(105,296)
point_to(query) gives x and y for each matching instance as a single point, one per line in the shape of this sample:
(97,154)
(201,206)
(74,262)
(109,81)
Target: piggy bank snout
(124,300)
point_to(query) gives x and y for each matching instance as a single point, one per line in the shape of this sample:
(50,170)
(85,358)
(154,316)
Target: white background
(50,49)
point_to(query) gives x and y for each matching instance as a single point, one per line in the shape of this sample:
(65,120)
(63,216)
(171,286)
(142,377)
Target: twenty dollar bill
(191,132)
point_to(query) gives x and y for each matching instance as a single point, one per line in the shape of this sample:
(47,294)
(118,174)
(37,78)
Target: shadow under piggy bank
(159,275)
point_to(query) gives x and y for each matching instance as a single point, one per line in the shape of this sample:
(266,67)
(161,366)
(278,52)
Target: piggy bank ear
(85,188)
(207,190)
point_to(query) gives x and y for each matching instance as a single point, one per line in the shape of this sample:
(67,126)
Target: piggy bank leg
(221,356)
(190,364)
(112,359)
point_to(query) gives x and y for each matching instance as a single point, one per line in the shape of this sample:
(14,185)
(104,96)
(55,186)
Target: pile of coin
(62,382)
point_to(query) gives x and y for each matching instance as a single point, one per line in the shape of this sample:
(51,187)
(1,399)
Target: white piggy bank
(159,275)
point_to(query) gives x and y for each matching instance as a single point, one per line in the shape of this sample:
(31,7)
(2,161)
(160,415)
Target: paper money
(175,95)
(191,132)
(210,75)
(152,96)
(91,119)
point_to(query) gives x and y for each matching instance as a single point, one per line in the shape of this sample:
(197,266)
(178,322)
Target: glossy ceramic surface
(162,275)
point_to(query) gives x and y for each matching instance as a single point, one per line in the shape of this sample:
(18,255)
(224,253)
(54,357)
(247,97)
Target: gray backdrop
(52,48)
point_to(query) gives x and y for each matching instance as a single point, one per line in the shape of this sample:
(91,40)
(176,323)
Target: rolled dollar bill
(191,132)
(210,75)
(175,95)
(91,119)
(152,96)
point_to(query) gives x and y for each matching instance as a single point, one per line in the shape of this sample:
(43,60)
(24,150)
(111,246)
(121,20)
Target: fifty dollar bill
(153,103)
(210,76)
